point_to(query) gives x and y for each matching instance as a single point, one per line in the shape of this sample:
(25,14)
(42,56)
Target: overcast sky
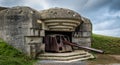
(104,14)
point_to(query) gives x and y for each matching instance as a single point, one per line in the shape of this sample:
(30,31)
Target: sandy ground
(116,56)
(104,59)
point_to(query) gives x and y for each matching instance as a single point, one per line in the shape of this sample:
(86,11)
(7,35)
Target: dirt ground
(104,59)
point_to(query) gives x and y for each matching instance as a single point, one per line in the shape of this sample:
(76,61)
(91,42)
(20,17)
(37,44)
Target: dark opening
(60,48)
(58,39)
(69,34)
(66,37)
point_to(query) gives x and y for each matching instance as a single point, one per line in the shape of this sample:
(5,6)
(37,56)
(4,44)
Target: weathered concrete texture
(60,19)
(3,8)
(24,27)
(76,55)
(15,23)
(59,13)
(83,33)
(34,45)
(83,41)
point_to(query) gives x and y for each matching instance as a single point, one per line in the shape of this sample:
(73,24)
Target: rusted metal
(53,43)
(83,47)
(61,43)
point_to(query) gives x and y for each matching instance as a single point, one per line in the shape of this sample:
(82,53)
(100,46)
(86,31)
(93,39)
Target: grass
(11,56)
(111,45)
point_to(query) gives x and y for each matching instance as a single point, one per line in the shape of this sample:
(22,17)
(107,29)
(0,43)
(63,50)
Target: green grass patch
(110,45)
(11,56)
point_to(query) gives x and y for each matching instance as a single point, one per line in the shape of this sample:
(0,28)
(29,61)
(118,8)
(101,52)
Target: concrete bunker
(25,28)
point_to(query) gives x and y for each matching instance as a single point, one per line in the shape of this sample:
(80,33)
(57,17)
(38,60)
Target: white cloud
(92,5)
(104,21)
(103,25)
(110,32)
(11,3)
(42,4)
(112,14)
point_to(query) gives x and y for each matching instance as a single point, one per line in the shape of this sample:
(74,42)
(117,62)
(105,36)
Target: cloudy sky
(104,14)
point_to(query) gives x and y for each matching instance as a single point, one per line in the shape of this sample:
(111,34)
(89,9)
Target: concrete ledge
(67,57)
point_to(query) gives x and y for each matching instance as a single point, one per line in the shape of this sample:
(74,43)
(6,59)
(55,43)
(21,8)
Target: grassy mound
(11,56)
(110,45)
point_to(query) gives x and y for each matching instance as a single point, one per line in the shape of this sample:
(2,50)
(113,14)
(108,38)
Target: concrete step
(69,57)
(81,57)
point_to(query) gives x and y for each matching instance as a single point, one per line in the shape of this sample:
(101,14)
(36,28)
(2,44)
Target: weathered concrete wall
(16,23)
(21,27)
(83,33)
(60,19)
(3,8)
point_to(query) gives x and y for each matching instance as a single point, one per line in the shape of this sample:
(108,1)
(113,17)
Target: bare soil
(104,59)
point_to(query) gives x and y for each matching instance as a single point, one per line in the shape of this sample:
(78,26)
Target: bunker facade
(26,28)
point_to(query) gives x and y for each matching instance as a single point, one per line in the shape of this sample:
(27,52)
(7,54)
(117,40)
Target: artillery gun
(61,43)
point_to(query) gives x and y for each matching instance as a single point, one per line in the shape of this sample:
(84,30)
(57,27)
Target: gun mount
(53,43)
(61,43)
(82,47)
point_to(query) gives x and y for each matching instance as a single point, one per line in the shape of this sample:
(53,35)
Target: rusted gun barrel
(83,47)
